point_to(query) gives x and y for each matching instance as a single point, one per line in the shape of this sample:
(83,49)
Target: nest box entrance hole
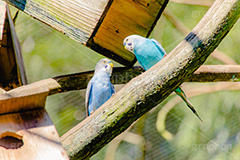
(10,140)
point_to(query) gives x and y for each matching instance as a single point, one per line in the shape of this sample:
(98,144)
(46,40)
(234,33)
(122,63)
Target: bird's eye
(104,61)
(129,44)
(126,40)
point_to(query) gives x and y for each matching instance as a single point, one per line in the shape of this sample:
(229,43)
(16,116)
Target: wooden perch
(150,88)
(216,73)
(11,62)
(100,25)
(121,75)
(33,96)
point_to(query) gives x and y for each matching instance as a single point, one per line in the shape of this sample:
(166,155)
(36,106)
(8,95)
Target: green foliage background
(48,53)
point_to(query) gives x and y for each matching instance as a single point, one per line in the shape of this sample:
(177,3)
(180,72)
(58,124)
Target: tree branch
(150,88)
(216,73)
(122,75)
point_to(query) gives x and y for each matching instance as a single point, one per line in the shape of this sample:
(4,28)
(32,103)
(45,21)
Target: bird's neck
(102,73)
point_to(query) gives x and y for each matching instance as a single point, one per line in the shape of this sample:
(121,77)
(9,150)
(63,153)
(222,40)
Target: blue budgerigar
(99,88)
(149,52)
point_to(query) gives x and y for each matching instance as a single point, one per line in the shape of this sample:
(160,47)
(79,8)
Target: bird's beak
(125,47)
(111,64)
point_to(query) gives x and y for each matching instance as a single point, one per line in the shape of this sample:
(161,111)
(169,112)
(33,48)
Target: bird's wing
(112,89)
(88,93)
(159,46)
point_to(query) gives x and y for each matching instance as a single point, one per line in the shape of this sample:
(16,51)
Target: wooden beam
(11,62)
(150,88)
(29,135)
(100,25)
(26,97)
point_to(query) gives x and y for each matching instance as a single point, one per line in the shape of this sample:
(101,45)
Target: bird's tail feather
(180,93)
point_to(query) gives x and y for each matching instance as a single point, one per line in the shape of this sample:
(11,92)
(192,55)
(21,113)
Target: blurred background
(169,131)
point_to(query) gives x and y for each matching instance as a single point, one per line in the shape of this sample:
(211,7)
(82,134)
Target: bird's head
(104,65)
(130,42)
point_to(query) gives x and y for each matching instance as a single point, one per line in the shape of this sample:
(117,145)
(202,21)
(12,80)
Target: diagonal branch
(150,88)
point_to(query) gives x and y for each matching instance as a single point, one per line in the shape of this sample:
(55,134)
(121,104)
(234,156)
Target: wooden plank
(123,19)
(17,51)
(77,19)
(2,91)
(26,97)
(101,25)
(11,62)
(29,135)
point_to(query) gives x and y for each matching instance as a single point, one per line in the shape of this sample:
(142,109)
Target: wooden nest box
(100,25)
(119,19)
